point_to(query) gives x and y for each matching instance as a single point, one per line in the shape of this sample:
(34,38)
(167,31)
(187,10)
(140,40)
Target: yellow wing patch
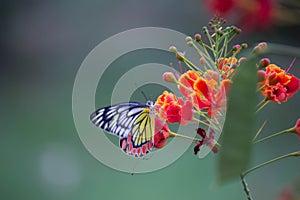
(143,128)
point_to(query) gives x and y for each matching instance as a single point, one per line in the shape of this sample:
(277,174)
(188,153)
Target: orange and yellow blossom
(205,93)
(173,109)
(187,81)
(277,85)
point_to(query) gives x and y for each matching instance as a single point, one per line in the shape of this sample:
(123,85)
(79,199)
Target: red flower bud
(261,75)
(236,47)
(264,62)
(297,128)
(197,37)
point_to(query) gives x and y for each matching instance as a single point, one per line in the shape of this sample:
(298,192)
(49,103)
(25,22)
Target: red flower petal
(173,113)
(293,86)
(201,86)
(162,133)
(186,112)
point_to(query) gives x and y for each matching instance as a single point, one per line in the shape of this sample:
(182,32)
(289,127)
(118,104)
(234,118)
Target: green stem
(172,134)
(259,130)
(181,85)
(223,49)
(274,135)
(297,153)
(262,106)
(190,64)
(201,122)
(246,188)
(261,102)
(205,55)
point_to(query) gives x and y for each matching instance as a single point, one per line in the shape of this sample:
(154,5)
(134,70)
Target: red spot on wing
(144,149)
(139,151)
(124,144)
(130,146)
(149,144)
(134,151)
(129,138)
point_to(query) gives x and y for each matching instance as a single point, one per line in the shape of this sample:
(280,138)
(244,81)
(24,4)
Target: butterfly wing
(139,141)
(133,122)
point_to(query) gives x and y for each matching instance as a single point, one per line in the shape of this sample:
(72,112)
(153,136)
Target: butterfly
(132,122)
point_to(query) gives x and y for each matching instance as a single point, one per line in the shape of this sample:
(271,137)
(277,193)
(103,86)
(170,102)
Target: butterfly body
(132,122)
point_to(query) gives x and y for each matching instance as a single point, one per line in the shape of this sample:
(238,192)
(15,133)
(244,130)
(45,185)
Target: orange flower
(208,97)
(171,109)
(187,80)
(278,85)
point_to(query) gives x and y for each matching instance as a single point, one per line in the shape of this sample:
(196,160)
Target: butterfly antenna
(142,92)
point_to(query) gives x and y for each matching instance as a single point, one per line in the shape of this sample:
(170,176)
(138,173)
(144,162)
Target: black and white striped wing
(118,119)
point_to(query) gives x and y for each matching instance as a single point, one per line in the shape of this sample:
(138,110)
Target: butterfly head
(150,103)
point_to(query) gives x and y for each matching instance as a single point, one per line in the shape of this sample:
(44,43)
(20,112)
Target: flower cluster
(204,88)
(276,84)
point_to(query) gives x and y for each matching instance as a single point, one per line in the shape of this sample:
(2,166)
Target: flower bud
(264,62)
(263,45)
(202,61)
(236,30)
(205,30)
(173,49)
(244,46)
(190,43)
(296,128)
(261,75)
(188,39)
(219,32)
(197,37)
(236,47)
(169,77)
(261,48)
(179,56)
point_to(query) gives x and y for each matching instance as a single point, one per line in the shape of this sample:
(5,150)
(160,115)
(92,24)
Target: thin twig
(246,188)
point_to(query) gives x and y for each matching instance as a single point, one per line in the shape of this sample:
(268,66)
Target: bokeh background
(43,44)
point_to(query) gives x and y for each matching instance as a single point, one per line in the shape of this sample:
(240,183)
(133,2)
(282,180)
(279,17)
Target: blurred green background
(43,44)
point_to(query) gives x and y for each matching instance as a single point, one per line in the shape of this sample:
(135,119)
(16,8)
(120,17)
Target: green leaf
(238,128)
